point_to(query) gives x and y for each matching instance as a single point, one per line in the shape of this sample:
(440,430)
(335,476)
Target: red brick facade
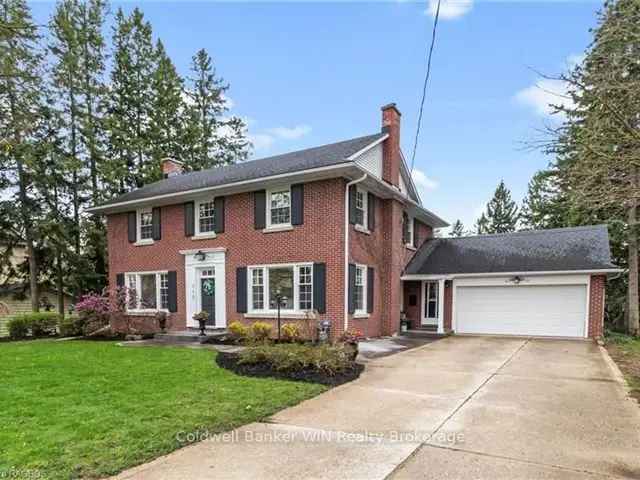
(596,305)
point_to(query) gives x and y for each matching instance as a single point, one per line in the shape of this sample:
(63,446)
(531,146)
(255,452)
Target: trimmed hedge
(38,324)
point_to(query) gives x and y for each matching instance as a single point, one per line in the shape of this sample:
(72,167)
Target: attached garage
(537,310)
(547,283)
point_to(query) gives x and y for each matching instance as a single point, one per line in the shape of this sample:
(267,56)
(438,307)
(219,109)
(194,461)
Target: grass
(88,409)
(625,351)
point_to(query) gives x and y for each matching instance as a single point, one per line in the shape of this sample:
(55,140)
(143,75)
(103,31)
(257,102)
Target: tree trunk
(634,307)
(60,284)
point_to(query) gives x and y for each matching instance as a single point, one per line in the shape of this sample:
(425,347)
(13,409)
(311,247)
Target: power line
(426,81)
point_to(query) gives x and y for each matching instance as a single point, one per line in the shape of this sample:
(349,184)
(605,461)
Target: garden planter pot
(203,325)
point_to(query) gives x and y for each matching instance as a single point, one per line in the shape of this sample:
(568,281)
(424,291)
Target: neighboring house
(228,239)
(15,299)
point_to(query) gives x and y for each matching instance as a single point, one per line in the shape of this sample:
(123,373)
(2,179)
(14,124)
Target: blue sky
(304,74)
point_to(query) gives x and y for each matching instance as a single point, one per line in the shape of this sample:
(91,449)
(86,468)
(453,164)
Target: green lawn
(625,350)
(88,409)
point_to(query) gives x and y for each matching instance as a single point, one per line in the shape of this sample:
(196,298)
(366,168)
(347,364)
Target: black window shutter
(352,204)
(405,228)
(370,289)
(172,278)
(189,227)
(259,209)
(352,288)
(132,217)
(241,289)
(120,280)
(219,215)
(297,204)
(157,223)
(371,211)
(320,287)
(415,232)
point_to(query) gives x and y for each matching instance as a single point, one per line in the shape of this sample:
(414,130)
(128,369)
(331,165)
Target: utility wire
(426,81)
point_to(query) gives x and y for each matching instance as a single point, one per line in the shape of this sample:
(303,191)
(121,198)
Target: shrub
(283,357)
(291,332)
(71,326)
(95,311)
(351,336)
(260,331)
(239,330)
(18,328)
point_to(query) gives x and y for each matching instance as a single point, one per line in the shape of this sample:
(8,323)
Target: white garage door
(557,310)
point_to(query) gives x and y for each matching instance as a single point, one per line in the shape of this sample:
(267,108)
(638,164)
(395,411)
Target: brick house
(226,240)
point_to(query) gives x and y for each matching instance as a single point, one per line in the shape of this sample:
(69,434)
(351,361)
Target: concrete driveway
(462,407)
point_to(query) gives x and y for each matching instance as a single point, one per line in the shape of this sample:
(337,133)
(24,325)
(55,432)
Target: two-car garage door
(537,310)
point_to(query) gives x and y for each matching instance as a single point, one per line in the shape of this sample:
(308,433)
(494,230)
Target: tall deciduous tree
(502,213)
(20,106)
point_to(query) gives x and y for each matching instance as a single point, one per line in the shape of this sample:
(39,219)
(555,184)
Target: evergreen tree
(502,213)
(543,207)
(482,225)
(213,140)
(20,108)
(599,144)
(168,109)
(457,230)
(130,103)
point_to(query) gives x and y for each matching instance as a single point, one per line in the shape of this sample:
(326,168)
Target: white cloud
(265,140)
(422,182)
(449,9)
(290,133)
(543,94)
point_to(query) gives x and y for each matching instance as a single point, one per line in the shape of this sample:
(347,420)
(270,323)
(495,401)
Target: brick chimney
(391,156)
(170,167)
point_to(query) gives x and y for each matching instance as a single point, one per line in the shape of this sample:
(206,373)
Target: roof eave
(451,276)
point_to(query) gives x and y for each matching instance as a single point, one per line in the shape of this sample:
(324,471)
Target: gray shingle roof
(578,248)
(322,156)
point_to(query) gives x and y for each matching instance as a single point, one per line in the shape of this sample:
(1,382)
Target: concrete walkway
(462,407)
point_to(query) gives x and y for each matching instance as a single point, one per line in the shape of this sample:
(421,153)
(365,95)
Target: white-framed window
(360,290)
(147,291)
(145,225)
(410,227)
(431,297)
(205,212)
(279,207)
(361,207)
(294,282)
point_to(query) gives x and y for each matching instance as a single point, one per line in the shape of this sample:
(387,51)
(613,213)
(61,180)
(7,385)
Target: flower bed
(325,364)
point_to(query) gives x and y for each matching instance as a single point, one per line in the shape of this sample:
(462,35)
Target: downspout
(346,249)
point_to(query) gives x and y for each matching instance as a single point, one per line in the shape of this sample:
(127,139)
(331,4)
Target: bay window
(147,291)
(293,282)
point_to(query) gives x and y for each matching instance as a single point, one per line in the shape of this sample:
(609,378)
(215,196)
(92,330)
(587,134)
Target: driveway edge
(616,373)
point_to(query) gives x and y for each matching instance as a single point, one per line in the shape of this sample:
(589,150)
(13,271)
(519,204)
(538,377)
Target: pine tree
(543,207)
(213,139)
(130,102)
(20,108)
(457,230)
(502,212)
(482,225)
(168,110)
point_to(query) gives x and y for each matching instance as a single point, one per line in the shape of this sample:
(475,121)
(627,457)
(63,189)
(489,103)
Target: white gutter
(506,274)
(346,249)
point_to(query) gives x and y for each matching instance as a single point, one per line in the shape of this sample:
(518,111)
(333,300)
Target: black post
(278,300)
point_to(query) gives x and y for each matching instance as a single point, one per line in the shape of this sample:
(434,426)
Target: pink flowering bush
(96,310)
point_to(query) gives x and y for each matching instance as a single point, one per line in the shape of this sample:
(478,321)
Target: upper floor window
(145,222)
(205,221)
(279,211)
(409,231)
(361,208)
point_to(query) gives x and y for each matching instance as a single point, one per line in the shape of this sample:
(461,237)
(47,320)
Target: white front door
(205,287)
(430,303)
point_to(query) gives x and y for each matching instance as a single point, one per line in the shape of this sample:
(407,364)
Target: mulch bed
(230,362)
(629,364)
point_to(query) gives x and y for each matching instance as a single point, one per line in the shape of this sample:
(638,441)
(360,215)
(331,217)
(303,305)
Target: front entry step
(190,336)
(424,333)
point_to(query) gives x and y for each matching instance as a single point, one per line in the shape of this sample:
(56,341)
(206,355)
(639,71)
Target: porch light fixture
(516,279)
(200,256)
